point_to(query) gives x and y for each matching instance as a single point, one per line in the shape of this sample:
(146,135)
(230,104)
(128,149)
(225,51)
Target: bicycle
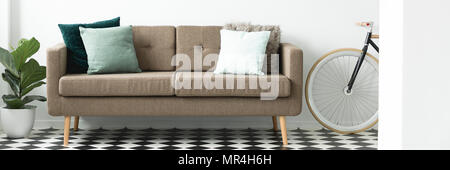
(344,98)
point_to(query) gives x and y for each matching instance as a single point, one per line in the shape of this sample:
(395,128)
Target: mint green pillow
(110,50)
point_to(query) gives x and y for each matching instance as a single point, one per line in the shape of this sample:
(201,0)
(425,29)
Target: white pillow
(242,52)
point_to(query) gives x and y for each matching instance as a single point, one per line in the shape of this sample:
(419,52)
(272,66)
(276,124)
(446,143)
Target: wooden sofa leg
(275,124)
(283,129)
(75,123)
(66,130)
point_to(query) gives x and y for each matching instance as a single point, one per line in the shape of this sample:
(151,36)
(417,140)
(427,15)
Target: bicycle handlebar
(370,26)
(364,24)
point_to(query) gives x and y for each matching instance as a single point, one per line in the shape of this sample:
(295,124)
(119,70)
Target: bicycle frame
(361,59)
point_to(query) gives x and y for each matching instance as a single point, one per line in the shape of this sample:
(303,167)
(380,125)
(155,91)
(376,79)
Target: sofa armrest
(291,58)
(291,62)
(56,68)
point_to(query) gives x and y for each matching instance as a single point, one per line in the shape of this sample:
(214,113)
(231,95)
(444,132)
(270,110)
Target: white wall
(426,71)
(415,57)
(4,23)
(391,75)
(316,26)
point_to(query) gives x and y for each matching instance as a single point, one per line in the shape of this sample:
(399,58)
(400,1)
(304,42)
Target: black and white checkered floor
(190,139)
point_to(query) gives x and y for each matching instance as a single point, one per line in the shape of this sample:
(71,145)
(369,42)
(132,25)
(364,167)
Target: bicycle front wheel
(327,96)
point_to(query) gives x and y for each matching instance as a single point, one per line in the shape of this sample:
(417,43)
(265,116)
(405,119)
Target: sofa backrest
(155,47)
(207,37)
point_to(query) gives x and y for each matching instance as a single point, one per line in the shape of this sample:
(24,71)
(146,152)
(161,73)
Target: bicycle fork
(361,60)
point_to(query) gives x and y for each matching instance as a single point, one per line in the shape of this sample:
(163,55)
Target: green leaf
(21,41)
(31,73)
(31,98)
(13,102)
(13,81)
(28,89)
(11,47)
(26,49)
(7,60)
(23,76)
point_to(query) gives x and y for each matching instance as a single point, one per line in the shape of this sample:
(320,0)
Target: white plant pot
(17,123)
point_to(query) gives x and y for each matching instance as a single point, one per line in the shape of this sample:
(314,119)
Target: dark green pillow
(76,53)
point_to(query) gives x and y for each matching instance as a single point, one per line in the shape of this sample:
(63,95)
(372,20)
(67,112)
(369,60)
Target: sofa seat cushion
(129,84)
(208,84)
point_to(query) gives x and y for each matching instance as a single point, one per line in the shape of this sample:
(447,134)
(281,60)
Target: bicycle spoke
(335,108)
(331,75)
(366,106)
(325,82)
(328,105)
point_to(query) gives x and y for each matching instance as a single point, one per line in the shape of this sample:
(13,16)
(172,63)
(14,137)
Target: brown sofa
(151,92)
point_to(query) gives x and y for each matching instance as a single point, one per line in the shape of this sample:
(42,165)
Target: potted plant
(23,75)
